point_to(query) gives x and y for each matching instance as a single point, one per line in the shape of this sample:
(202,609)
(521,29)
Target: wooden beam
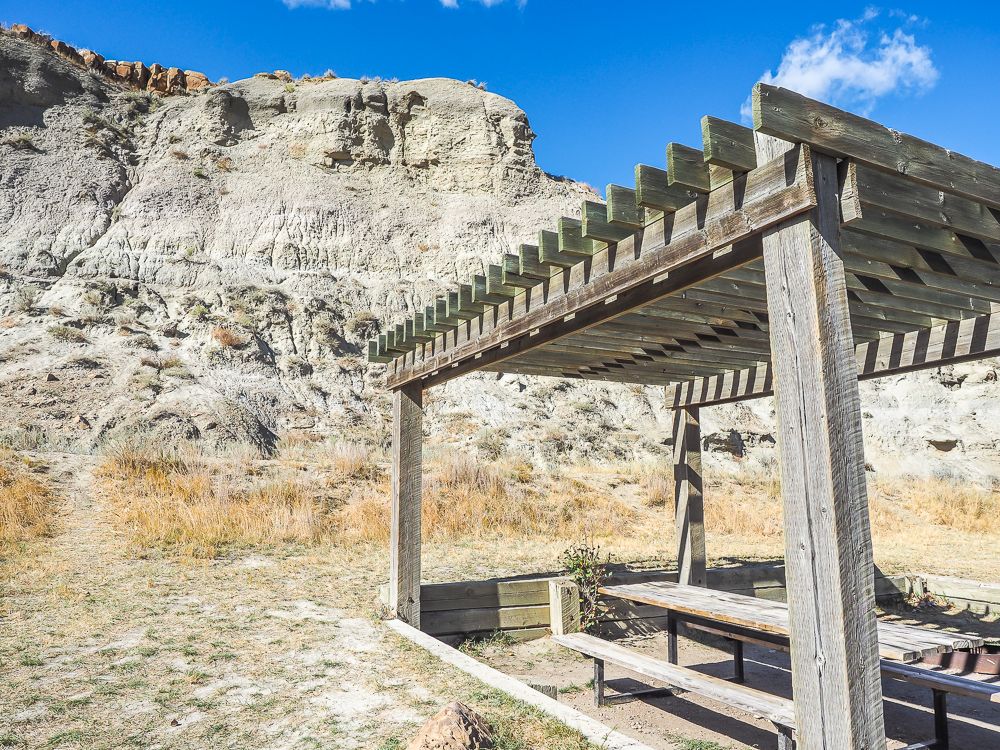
(686,168)
(596,225)
(407,468)
(793,117)
(689,508)
(727,144)
(701,240)
(623,209)
(828,547)
(548,251)
(653,191)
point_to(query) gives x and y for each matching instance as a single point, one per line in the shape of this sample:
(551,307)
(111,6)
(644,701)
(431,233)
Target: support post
(404,553)
(828,547)
(564,606)
(689,509)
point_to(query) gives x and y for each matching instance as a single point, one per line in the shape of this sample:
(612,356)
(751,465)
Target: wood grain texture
(407,469)
(727,144)
(564,606)
(689,508)
(686,168)
(793,117)
(828,548)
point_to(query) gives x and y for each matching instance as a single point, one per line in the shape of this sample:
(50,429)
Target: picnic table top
(896,641)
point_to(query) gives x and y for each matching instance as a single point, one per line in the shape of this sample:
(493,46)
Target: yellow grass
(27,505)
(193,507)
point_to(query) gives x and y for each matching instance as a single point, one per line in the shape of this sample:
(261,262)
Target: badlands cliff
(207,266)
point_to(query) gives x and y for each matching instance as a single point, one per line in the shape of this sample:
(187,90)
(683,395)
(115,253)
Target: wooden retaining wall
(981,598)
(520,606)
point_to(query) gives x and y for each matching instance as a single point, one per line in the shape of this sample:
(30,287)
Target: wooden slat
(572,241)
(727,144)
(793,117)
(755,702)
(686,168)
(623,210)
(828,546)
(956,341)
(596,226)
(864,187)
(485,619)
(548,251)
(653,191)
(633,273)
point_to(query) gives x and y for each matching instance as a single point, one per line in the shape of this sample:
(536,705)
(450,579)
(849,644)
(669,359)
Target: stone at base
(454,727)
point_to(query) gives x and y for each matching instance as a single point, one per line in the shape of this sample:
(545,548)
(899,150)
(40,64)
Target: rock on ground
(454,727)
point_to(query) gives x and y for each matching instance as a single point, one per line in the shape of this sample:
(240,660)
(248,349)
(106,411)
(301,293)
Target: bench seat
(774,708)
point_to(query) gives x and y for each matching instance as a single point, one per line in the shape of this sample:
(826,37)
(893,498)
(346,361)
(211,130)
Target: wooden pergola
(795,258)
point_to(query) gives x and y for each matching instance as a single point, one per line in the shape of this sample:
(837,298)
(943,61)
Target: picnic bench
(741,619)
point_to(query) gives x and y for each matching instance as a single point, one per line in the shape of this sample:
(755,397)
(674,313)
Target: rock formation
(135,75)
(208,267)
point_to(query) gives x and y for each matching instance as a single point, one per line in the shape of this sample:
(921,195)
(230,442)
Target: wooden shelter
(795,258)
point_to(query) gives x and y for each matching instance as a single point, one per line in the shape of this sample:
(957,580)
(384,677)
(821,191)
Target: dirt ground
(99,649)
(283,647)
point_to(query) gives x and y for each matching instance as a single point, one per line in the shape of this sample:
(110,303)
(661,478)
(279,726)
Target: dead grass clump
(186,505)
(353,461)
(27,505)
(227,338)
(747,504)
(962,507)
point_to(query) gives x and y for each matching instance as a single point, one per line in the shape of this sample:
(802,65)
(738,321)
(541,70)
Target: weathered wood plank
(548,251)
(653,191)
(828,547)
(596,224)
(755,702)
(488,619)
(793,117)
(686,168)
(727,144)
(623,209)
(407,468)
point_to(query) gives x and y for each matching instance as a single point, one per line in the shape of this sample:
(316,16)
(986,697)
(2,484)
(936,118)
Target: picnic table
(766,621)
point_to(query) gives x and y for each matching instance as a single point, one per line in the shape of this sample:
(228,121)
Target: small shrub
(225,164)
(179,154)
(142,341)
(227,338)
(21,142)
(25,299)
(289,88)
(27,506)
(67,334)
(199,311)
(200,173)
(584,565)
(491,444)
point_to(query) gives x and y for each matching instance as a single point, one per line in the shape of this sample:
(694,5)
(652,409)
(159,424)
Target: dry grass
(184,504)
(28,505)
(965,508)
(466,498)
(227,338)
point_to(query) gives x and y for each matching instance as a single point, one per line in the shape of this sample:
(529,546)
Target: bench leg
(786,738)
(941,720)
(598,682)
(738,673)
(671,639)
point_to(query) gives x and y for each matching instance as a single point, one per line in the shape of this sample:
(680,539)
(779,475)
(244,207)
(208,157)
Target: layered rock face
(208,266)
(136,75)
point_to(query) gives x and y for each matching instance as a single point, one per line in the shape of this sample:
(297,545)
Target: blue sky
(605,84)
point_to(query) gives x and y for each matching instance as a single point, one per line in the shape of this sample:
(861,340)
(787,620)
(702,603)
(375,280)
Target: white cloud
(854,64)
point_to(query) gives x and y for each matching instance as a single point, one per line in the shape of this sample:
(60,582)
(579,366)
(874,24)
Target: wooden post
(404,553)
(564,606)
(689,509)
(828,547)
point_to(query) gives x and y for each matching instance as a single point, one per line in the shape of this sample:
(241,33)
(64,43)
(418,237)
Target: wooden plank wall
(520,607)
